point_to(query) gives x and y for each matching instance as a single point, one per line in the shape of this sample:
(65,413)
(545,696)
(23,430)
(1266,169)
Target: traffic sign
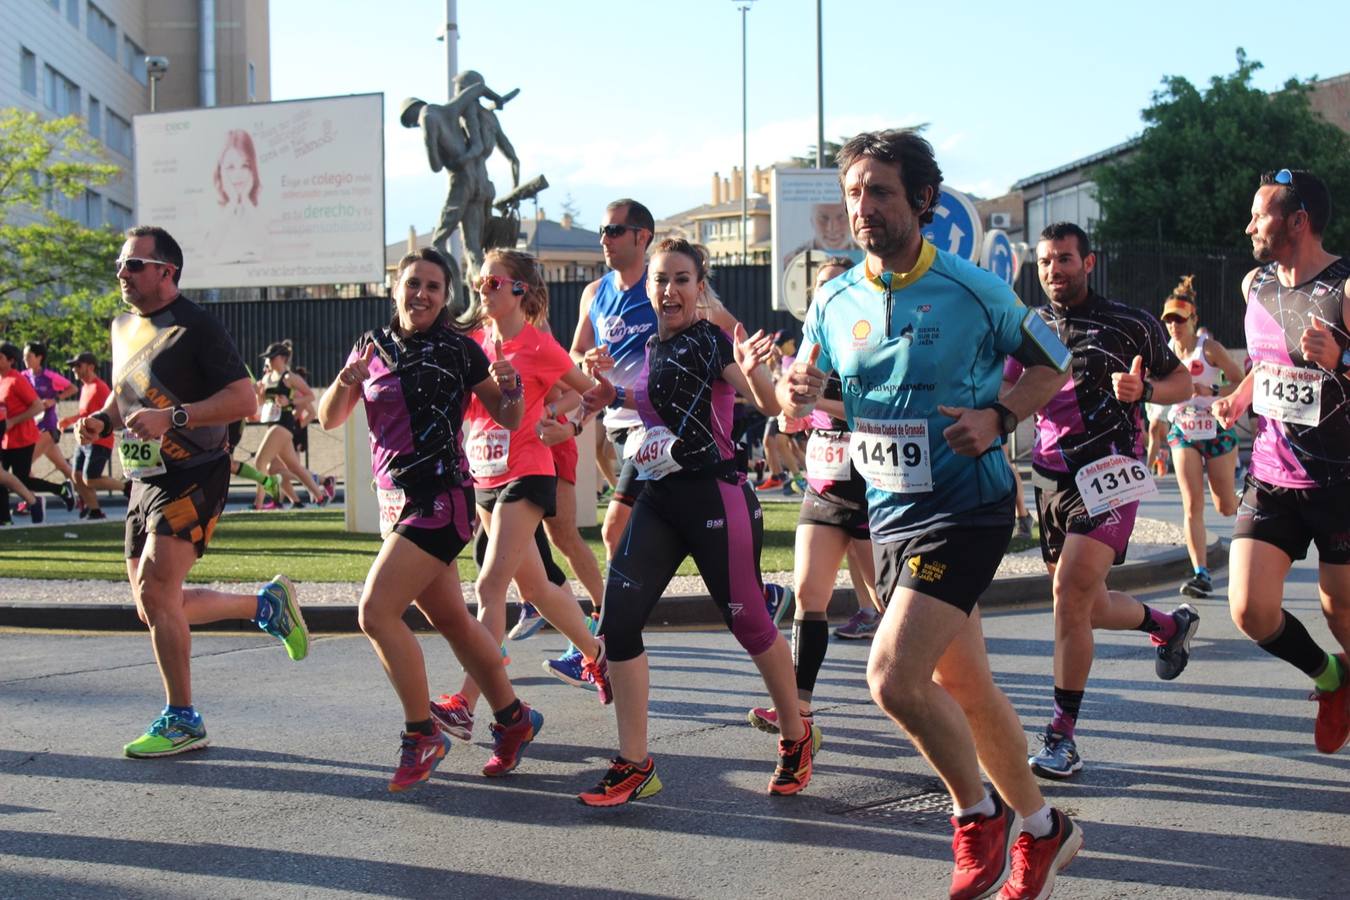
(956,226)
(999,256)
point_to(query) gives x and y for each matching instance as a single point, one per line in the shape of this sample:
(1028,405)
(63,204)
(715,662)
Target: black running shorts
(1291,518)
(955,565)
(185,504)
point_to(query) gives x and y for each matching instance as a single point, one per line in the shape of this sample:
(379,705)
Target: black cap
(85,357)
(277,348)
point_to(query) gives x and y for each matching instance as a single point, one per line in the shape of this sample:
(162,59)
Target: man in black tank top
(1298,489)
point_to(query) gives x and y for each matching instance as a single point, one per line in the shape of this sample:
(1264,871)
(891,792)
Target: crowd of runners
(913,369)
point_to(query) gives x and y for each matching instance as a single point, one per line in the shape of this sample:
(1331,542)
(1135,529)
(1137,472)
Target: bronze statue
(460,136)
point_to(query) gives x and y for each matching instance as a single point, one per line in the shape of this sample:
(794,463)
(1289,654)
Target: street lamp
(156,67)
(744,7)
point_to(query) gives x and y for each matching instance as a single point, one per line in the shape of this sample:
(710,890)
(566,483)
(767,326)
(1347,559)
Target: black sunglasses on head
(614,231)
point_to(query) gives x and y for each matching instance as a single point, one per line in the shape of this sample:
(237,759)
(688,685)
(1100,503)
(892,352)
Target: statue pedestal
(362,512)
(586,477)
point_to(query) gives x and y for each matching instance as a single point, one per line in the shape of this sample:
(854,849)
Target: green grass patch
(308,546)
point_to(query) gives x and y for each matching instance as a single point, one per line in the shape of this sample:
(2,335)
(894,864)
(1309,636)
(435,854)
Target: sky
(643,99)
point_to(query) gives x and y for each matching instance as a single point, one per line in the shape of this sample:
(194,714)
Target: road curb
(681,610)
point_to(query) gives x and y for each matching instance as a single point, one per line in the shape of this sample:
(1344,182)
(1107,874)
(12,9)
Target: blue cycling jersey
(903,344)
(623,321)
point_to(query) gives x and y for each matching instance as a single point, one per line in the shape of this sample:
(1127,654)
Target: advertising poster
(808,215)
(268,194)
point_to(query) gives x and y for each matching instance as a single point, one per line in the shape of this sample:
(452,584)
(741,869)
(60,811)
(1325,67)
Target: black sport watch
(1007,419)
(179,417)
(1344,365)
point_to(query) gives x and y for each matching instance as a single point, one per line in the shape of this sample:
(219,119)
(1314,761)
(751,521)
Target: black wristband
(1147,396)
(107,422)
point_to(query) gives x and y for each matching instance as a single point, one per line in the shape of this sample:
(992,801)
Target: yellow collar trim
(927,253)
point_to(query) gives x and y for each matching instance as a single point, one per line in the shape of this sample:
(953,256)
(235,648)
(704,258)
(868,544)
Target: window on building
(134,62)
(28,71)
(95,117)
(118,134)
(119,216)
(73,12)
(62,94)
(252,82)
(102,31)
(92,216)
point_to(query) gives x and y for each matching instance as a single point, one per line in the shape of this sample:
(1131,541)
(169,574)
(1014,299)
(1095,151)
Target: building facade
(88,58)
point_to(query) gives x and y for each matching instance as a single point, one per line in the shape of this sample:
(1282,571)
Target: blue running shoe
(1058,758)
(570,668)
(168,735)
(279,616)
(528,625)
(778,600)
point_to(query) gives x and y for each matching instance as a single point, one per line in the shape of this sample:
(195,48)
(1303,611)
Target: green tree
(1191,178)
(56,279)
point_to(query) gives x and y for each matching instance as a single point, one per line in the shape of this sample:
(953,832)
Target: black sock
(1294,645)
(509,715)
(810,639)
(424,727)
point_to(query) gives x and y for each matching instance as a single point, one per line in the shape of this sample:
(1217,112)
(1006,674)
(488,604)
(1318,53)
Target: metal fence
(1143,275)
(1138,274)
(323,331)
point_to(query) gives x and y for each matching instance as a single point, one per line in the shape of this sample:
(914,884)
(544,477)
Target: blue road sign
(998,257)
(956,226)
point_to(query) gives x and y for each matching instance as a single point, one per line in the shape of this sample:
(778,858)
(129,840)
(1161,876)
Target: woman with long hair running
(515,481)
(415,377)
(50,386)
(696,502)
(1201,449)
(280,392)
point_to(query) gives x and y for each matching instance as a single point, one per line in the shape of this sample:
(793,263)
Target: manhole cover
(921,800)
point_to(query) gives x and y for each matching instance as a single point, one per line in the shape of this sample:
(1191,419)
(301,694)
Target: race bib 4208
(489,451)
(893,454)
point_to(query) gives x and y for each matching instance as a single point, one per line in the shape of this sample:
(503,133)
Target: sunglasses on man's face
(136,264)
(613,231)
(1285,178)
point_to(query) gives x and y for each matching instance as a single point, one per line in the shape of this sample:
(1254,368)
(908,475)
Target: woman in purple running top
(50,387)
(696,502)
(415,377)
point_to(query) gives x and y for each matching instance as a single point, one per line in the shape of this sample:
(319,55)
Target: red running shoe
(623,783)
(796,761)
(596,671)
(418,758)
(1036,861)
(509,741)
(982,848)
(1333,713)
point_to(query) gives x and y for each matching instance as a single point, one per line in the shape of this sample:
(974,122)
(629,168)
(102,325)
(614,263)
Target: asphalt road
(1207,786)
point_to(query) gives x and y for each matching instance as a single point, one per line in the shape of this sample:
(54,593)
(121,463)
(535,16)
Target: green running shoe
(271,486)
(284,620)
(167,736)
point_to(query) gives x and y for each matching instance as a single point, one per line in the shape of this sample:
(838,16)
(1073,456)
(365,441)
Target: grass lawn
(308,546)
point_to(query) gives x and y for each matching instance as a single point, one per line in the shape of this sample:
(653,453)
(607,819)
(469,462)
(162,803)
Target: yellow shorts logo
(926,571)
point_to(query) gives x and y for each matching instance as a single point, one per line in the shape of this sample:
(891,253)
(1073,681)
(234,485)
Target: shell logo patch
(861,329)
